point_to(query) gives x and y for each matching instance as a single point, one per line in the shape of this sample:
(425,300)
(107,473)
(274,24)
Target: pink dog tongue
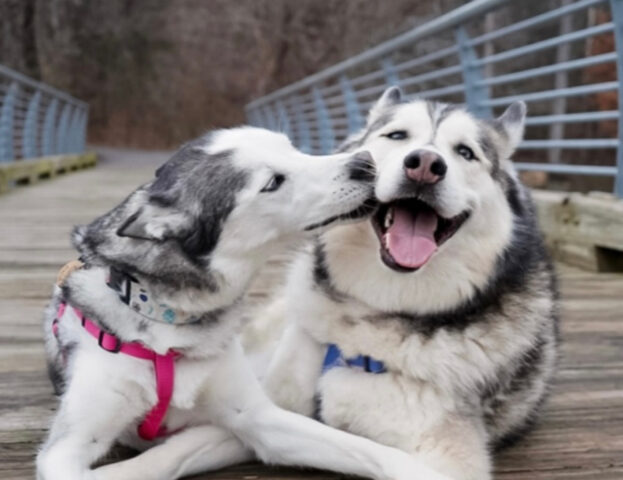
(411,238)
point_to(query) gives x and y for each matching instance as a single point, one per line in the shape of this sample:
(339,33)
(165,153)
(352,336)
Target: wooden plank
(583,230)
(32,170)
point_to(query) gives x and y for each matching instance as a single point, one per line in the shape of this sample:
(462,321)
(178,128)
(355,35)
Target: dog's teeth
(389,217)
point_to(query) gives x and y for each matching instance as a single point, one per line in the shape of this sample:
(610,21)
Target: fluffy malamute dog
(142,340)
(433,327)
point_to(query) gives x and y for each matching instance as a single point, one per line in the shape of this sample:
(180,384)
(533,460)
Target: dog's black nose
(361,167)
(425,166)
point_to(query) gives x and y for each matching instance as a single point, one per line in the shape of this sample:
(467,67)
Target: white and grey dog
(163,278)
(441,312)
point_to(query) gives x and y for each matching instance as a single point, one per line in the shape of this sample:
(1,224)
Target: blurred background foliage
(157,72)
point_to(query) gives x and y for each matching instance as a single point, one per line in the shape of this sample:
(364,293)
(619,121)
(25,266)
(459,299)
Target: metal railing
(37,120)
(562,57)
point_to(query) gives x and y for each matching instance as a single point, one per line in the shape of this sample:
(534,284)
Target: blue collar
(334,358)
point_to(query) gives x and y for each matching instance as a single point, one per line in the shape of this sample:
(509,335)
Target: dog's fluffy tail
(261,336)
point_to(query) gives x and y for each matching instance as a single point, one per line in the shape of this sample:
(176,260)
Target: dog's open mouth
(410,232)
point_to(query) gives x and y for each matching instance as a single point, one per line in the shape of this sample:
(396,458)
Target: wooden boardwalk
(579,437)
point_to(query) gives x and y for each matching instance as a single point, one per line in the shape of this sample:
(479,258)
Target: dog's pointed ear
(154,222)
(511,125)
(391,96)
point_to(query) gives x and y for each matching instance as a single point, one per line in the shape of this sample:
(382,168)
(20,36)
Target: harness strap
(164,368)
(151,426)
(335,358)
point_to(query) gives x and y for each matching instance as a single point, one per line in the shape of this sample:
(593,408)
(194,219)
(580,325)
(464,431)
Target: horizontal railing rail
(37,120)
(563,57)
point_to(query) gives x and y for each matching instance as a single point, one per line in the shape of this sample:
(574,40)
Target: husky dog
(447,293)
(163,279)
(433,327)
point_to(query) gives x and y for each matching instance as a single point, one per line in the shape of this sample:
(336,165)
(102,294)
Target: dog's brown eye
(274,183)
(465,152)
(397,135)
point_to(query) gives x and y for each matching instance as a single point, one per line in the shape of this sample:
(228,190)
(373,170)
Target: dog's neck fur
(208,288)
(222,287)
(194,283)
(86,289)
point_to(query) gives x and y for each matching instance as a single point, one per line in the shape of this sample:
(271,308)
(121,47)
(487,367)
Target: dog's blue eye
(274,183)
(397,135)
(465,152)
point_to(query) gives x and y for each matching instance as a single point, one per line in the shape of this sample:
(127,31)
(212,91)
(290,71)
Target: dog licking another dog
(431,327)
(142,339)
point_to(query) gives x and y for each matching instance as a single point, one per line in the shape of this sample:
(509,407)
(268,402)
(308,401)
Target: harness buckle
(100,342)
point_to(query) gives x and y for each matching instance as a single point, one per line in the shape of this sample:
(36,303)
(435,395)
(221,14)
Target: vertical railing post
(325,129)
(353,114)
(617,18)
(270,118)
(475,94)
(302,127)
(67,142)
(392,79)
(74,131)
(284,120)
(61,132)
(79,130)
(7,153)
(29,149)
(48,144)
(265,118)
(84,121)
(249,113)
(259,117)
(561,81)
(253,117)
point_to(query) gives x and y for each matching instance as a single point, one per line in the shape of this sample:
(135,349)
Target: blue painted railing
(459,57)
(37,120)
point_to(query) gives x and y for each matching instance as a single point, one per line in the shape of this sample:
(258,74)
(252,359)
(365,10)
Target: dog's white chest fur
(137,375)
(430,380)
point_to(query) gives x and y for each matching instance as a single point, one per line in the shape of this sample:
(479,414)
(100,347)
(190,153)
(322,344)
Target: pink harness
(164,368)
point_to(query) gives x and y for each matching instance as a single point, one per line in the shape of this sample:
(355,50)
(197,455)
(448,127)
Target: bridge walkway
(579,437)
